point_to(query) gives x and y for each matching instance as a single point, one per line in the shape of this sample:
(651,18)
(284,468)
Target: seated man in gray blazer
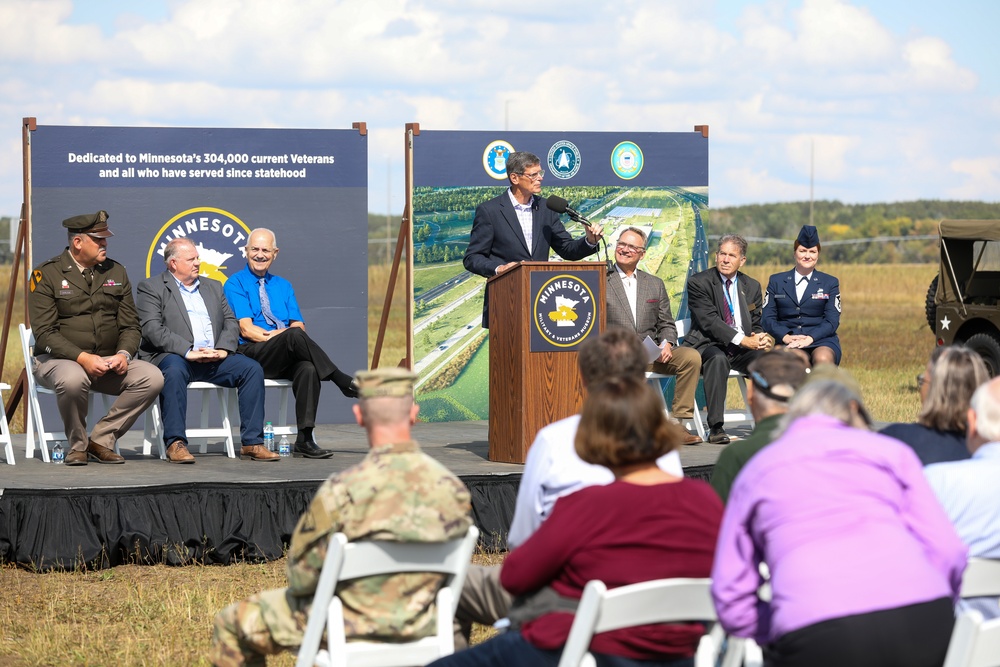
(638,301)
(190,333)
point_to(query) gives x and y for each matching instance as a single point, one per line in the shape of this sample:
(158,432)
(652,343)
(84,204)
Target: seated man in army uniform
(86,333)
(380,496)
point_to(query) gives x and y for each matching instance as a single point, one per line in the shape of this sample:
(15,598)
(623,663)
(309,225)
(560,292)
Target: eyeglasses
(539,175)
(921,379)
(629,247)
(267,252)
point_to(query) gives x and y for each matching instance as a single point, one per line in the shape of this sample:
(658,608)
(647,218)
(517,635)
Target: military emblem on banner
(564,159)
(626,160)
(495,159)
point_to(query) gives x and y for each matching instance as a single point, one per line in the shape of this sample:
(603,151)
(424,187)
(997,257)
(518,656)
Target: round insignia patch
(563,310)
(626,160)
(564,159)
(495,159)
(219,236)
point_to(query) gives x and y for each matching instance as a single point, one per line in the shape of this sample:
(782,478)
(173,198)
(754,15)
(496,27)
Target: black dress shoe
(352,390)
(308,449)
(718,436)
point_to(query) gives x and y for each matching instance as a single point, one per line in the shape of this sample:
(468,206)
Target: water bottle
(269,436)
(58,455)
(284,447)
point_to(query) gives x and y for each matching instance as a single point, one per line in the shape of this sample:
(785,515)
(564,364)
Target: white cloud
(892,109)
(982,178)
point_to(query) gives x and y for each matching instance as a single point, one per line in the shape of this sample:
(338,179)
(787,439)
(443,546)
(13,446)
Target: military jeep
(963,301)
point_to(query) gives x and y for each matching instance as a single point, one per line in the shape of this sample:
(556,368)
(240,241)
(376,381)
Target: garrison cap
(381,382)
(93,224)
(778,374)
(808,237)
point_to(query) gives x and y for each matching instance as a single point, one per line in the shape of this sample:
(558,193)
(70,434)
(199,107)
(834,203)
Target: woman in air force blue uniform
(802,306)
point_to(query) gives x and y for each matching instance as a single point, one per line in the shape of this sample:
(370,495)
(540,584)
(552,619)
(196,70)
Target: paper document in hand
(652,349)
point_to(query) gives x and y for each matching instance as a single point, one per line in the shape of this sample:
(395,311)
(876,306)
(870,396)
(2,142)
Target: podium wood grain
(529,390)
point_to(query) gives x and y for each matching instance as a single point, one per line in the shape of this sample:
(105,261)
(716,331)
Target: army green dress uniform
(71,315)
(396,493)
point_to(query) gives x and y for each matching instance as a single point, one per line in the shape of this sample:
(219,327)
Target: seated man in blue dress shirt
(272,332)
(190,333)
(968,489)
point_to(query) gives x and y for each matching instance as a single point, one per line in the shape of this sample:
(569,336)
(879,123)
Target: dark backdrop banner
(657,181)
(214,186)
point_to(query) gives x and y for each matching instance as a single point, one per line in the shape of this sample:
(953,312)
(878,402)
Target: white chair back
(659,601)
(974,642)
(345,561)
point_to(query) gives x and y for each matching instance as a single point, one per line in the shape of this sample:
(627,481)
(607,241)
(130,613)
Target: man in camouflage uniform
(86,333)
(396,493)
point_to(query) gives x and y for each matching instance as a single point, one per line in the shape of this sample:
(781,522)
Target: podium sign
(539,313)
(563,309)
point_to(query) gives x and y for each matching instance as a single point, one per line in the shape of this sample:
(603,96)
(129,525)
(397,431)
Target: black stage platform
(219,509)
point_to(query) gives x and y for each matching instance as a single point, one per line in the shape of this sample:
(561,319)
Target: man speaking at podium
(517,227)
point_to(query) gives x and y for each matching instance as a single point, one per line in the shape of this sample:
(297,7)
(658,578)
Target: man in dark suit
(638,301)
(190,333)
(725,326)
(517,227)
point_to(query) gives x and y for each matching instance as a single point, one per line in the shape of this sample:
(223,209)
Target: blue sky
(898,99)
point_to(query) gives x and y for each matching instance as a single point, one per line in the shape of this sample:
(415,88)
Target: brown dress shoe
(257,453)
(691,439)
(103,454)
(75,458)
(178,452)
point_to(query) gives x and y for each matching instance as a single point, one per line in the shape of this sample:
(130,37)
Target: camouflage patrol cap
(385,382)
(92,224)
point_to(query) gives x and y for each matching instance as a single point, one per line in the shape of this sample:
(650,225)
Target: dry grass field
(157,615)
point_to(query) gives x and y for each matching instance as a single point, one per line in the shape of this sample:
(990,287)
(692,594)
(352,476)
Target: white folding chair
(658,601)
(8,446)
(153,430)
(281,428)
(981,578)
(34,425)
(345,561)
(974,642)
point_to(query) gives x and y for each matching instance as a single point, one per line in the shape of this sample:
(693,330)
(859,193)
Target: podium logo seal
(564,159)
(563,311)
(220,237)
(626,160)
(495,159)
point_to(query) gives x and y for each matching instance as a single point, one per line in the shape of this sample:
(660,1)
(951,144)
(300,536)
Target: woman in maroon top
(645,525)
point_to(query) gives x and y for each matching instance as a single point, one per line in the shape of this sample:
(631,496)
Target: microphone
(560,205)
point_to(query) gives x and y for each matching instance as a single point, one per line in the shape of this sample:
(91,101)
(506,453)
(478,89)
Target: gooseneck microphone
(560,205)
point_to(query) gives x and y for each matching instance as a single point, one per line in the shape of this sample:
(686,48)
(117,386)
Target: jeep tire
(988,347)
(930,309)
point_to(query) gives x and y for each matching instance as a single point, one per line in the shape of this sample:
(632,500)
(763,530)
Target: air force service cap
(808,237)
(92,224)
(397,382)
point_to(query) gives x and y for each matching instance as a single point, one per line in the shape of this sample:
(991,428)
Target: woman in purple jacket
(864,564)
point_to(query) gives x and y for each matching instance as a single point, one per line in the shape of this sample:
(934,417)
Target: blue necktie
(265,307)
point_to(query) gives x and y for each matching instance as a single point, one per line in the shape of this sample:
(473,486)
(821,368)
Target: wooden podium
(539,313)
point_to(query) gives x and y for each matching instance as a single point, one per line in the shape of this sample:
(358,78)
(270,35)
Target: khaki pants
(685,365)
(136,390)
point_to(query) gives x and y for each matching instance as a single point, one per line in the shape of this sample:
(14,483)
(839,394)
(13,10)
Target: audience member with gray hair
(856,543)
(946,385)
(968,490)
